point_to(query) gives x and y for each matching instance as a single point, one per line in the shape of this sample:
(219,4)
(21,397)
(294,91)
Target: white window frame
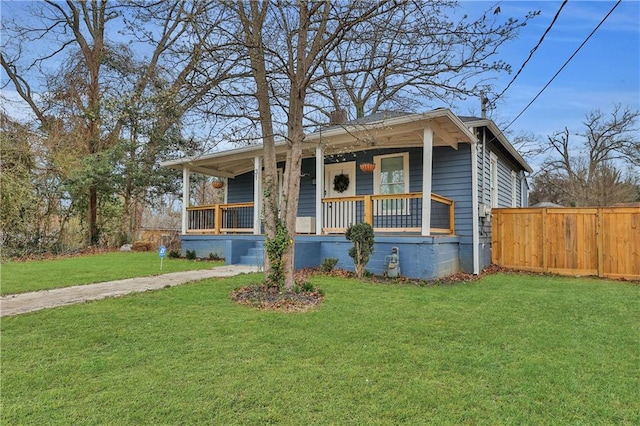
(493,179)
(514,189)
(377,160)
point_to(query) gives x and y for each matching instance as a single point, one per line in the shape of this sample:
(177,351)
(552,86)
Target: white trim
(377,190)
(350,168)
(514,189)
(257,195)
(226,190)
(377,160)
(185,199)
(493,179)
(475,209)
(319,188)
(485,182)
(524,191)
(427,170)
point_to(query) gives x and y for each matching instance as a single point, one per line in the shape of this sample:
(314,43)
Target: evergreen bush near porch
(363,240)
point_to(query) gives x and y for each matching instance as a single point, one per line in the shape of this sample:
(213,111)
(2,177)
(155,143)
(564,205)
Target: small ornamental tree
(362,236)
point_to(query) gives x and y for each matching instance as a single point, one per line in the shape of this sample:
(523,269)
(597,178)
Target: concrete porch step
(254,256)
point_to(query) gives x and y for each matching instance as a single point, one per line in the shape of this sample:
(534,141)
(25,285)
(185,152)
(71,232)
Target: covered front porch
(416,193)
(391,213)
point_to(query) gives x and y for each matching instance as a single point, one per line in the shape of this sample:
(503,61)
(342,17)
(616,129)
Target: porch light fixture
(218,184)
(367,167)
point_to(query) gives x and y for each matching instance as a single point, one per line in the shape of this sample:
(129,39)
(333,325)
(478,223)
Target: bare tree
(590,172)
(416,55)
(369,54)
(286,44)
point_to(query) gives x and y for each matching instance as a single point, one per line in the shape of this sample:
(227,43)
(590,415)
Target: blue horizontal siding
(240,189)
(451,179)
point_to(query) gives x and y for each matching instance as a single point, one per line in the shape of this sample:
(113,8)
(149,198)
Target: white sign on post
(162,252)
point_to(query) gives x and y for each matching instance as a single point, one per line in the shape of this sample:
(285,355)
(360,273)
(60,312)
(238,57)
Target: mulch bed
(274,299)
(269,298)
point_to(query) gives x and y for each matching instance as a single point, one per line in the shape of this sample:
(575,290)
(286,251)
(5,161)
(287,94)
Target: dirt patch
(274,299)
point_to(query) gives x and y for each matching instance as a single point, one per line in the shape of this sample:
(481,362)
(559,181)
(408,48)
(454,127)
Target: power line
(555,18)
(564,65)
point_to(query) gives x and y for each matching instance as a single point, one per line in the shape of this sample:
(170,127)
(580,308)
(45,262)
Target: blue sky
(606,71)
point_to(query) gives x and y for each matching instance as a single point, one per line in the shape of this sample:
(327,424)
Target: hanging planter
(341,182)
(217,184)
(367,167)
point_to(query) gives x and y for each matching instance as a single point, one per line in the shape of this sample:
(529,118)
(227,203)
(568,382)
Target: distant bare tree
(591,171)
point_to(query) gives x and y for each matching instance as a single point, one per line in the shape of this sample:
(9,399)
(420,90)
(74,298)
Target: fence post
(496,238)
(545,241)
(368,210)
(600,241)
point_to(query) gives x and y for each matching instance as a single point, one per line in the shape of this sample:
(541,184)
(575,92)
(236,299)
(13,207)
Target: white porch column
(226,190)
(475,208)
(319,188)
(257,195)
(427,169)
(185,199)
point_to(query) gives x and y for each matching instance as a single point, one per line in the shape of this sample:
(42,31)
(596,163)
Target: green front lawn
(21,277)
(508,349)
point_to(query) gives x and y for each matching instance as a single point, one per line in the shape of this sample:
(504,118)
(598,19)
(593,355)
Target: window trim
(514,189)
(493,179)
(377,160)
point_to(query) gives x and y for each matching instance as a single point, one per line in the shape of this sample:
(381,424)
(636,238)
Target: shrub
(191,254)
(328,264)
(214,256)
(362,236)
(174,254)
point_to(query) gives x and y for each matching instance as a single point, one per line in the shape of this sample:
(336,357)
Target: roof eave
(503,141)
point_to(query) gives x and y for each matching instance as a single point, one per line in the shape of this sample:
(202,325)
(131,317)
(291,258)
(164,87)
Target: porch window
(393,178)
(494,180)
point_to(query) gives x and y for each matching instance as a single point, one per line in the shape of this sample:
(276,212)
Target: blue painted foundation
(420,257)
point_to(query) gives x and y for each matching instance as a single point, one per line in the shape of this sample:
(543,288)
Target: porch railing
(220,219)
(387,213)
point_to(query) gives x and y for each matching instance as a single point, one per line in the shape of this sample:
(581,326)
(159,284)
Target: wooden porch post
(427,159)
(257,194)
(185,199)
(319,188)
(368,210)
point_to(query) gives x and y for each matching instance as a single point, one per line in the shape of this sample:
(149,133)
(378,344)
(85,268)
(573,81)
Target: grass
(20,277)
(508,349)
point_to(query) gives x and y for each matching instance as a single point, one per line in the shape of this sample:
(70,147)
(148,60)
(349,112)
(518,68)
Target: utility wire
(555,18)
(564,65)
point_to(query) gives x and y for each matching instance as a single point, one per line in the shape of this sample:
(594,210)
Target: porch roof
(388,132)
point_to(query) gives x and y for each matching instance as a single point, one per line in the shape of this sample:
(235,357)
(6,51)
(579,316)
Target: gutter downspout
(475,208)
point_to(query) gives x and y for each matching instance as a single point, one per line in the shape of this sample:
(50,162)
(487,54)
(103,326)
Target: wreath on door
(341,182)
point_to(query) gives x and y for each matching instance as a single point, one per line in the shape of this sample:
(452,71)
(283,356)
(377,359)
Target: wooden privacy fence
(571,241)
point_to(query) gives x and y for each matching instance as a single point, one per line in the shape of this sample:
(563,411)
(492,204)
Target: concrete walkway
(17,304)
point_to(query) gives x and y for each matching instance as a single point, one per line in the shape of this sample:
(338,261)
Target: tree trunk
(94,235)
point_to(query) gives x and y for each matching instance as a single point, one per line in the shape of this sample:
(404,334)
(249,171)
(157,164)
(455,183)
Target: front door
(340,182)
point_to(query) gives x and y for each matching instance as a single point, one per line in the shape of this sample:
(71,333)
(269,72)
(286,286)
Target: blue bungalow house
(426,183)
